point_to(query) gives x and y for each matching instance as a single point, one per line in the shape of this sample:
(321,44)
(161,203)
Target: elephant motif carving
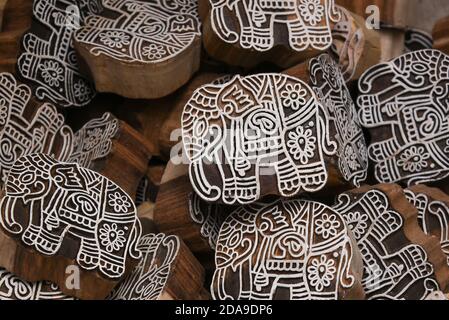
(266,127)
(148,280)
(259,24)
(330,87)
(48,60)
(404,104)
(147,32)
(13,288)
(393,269)
(285,249)
(21,134)
(47,201)
(433,217)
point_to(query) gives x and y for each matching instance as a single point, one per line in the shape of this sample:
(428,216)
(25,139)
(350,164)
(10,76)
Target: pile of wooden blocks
(206,149)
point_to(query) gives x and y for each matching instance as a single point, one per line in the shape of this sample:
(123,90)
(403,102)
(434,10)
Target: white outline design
(267,248)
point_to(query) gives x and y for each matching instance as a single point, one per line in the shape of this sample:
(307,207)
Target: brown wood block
(106,145)
(139,49)
(400,260)
(402,104)
(416,39)
(180,211)
(14,288)
(51,219)
(47,60)
(247,34)
(9,49)
(433,212)
(356,47)
(167,271)
(262,135)
(439,34)
(15,14)
(286,250)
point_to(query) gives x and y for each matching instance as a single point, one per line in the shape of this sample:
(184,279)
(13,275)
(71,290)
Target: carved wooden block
(106,145)
(438,296)
(439,35)
(286,249)
(141,49)
(56,214)
(166,271)
(15,14)
(179,210)
(433,212)
(403,105)
(355,46)
(400,261)
(284,32)
(272,134)
(48,61)
(13,288)
(417,40)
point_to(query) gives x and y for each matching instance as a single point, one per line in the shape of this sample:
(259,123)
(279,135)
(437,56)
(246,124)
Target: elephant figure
(266,127)
(256,24)
(393,269)
(284,249)
(48,59)
(23,132)
(404,104)
(148,280)
(148,32)
(47,201)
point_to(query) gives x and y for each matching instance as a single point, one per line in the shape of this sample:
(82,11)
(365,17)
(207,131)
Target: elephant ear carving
(68,176)
(236,98)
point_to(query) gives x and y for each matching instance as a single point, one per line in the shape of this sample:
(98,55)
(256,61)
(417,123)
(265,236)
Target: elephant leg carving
(88,255)
(256,30)
(288,177)
(383,150)
(49,242)
(299,37)
(238,187)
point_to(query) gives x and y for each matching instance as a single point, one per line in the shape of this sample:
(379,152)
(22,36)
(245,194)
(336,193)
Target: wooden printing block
(166,271)
(286,250)
(106,145)
(356,47)
(47,60)
(179,210)
(433,212)
(56,215)
(272,134)
(439,34)
(400,260)
(403,105)
(417,40)
(141,49)
(283,32)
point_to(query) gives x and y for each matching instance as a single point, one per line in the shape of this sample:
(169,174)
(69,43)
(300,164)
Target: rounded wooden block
(403,105)
(55,215)
(167,271)
(286,249)
(141,50)
(246,34)
(433,212)
(47,61)
(400,261)
(356,47)
(278,134)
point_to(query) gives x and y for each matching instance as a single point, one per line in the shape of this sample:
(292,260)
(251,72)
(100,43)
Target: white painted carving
(147,32)
(393,268)
(259,24)
(48,59)
(333,93)
(404,104)
(148,280)
(433,217)
(13,288)
(266,124)
(64,199)
(287,249)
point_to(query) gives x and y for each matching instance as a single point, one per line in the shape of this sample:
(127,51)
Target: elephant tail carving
(7,220)
(136,233)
